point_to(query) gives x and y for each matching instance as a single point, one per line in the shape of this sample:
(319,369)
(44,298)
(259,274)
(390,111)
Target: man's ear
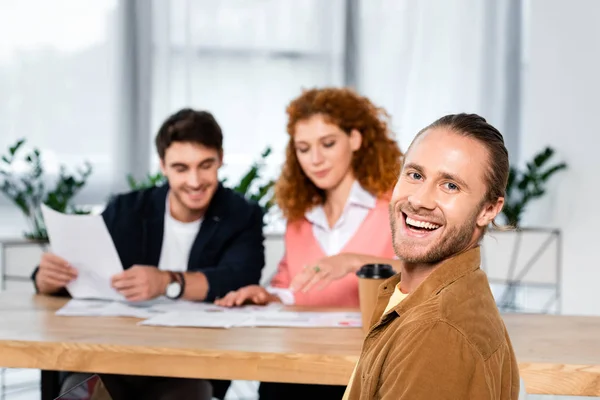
(220,158)
(355,139)
(163,167)
(489,212)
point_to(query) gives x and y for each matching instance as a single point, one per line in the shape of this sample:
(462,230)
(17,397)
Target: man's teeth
(421,224)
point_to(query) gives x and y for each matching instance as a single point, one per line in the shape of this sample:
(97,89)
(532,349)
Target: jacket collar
(446,273)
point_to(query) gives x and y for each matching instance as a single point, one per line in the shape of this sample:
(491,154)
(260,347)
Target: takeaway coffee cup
(370,276)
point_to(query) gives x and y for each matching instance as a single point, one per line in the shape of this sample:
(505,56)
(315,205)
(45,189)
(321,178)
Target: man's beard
(453,241)
(209,192)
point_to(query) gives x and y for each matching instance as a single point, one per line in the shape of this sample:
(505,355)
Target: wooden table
(557,354)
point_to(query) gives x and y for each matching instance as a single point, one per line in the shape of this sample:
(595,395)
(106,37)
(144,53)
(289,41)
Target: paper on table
(235,318)
(103,308)
(85,308)
(182,305)
(84,241)
(197,319)
(147,309)
(305,320)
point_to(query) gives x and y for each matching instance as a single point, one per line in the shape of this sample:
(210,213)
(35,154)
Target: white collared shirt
(333,239)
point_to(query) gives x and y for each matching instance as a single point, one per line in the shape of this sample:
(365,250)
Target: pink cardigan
(373,237)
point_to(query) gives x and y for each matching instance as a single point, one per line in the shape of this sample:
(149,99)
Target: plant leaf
(13,149)
(525,185)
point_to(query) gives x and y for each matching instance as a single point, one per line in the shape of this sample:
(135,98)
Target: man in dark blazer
(191,238)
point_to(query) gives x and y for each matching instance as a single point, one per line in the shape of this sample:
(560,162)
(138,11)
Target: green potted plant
(524,262)
(28,189)
(528,184)
(249,185)
(148,181)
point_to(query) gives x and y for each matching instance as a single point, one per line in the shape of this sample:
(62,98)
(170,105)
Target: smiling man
(189,239)
(436,332)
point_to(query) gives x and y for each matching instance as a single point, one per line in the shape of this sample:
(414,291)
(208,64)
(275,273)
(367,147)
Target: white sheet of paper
(231,318)
(151,308)
(182,305)
(84,308)
(305,319)
(84,241)
(209,319)
(104,308)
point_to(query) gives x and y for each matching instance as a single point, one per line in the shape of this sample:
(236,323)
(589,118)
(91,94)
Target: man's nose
(193,180)
(423,197)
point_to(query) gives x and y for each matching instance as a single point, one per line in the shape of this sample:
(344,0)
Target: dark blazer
(229,247)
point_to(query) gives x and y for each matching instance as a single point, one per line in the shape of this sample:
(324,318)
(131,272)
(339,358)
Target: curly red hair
(375,165)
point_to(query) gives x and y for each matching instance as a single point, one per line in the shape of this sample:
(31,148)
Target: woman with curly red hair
(341,166)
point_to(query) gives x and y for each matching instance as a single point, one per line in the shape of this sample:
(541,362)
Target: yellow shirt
(395,299)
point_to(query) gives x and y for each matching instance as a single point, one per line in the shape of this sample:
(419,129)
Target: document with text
(183,313)
(233,318)
(84,241)
(150,308)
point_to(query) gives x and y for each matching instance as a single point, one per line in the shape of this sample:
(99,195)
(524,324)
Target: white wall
(274,251)
(561,109)
(12,221)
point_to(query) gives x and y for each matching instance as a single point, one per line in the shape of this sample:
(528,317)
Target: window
(243,60)
(58,85)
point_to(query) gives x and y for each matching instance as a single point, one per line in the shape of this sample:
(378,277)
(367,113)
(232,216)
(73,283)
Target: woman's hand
(324,271)
(254,294)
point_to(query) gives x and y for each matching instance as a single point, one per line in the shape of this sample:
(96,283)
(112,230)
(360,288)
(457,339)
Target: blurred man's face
(192,171)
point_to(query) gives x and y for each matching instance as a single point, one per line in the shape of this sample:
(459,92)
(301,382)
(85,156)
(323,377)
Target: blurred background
(91,81)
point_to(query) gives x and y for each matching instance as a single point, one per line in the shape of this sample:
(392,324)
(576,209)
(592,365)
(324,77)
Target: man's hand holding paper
(141,282)
(54,274)
(83,259)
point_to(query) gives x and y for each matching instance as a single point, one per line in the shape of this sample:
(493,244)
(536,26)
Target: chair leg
(50,385)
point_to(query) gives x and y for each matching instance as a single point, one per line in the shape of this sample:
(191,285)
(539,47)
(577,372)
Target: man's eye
(451,186)
(415,175)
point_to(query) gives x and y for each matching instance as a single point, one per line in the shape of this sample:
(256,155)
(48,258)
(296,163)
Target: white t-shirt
(178,238)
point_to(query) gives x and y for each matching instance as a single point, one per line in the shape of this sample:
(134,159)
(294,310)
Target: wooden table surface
(556,354)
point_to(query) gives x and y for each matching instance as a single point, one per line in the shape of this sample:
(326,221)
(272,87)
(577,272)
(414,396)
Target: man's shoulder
(469,306)
(237,199)
(235,204)
(136,200)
